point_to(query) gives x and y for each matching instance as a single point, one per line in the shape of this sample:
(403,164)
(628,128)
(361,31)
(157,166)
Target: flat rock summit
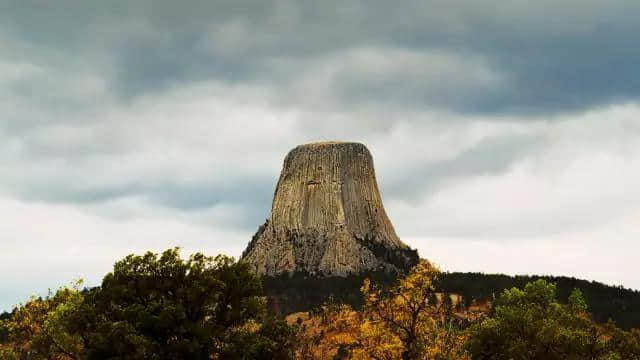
(327,217)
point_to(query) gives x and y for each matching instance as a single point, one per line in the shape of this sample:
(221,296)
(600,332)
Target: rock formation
(327,217)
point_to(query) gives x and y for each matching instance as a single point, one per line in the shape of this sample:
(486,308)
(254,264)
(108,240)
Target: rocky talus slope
(327,217)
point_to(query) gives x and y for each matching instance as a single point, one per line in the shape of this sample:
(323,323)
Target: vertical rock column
(327,217)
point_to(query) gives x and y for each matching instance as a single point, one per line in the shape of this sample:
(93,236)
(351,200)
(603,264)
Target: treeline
(152,307)
(300,292)
(412,320)
(160,306)
(605,302)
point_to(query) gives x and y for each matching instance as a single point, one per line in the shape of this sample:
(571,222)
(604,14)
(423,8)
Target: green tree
(152,307)
(163,307)
(532,324)
(271,340)
(4,330)
(447,304)
(38,329)
(8,354)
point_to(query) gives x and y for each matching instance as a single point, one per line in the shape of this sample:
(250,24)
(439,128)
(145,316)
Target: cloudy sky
(505,134)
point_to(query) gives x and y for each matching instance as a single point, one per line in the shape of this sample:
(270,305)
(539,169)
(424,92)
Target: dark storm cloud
(354,59)
(129,125)
(569,72)
(552,57)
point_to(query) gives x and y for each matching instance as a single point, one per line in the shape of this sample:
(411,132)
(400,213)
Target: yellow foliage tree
(37,329)
(403,322)
(407,322)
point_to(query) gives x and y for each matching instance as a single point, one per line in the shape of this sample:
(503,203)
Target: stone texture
(327,217)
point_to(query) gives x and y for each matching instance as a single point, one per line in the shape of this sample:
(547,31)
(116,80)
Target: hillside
(301,292)
(605,302)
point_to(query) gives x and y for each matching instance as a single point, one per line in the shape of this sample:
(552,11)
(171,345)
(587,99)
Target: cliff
(327,217)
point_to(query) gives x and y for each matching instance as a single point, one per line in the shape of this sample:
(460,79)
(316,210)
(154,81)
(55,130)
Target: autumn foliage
(406,321)
(153,307)
(39,328)
(163,307)
(411,321)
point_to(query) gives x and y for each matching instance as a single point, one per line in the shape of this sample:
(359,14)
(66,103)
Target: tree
(605,302)
(38,329)
(4,331)
(447,304)
(152,307)
(532,324)
(271,340)
(163,307)
(405,322)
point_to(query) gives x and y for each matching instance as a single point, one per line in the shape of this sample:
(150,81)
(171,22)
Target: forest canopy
(161,306)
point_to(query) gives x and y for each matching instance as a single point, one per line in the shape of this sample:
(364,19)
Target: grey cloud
(359,67)
(553,57)
(253,194)
(171,113)
(492,156)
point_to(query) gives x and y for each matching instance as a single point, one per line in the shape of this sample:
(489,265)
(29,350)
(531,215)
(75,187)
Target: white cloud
(570,208)
(607,254)
(129,129)
(560,209)
(45,246)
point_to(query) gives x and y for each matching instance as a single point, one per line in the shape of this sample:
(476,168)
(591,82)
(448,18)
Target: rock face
(327,217)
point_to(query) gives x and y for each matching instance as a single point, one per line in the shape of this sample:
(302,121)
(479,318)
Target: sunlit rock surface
(327,217)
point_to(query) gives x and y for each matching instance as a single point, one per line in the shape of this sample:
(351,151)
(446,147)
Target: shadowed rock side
(327,217)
